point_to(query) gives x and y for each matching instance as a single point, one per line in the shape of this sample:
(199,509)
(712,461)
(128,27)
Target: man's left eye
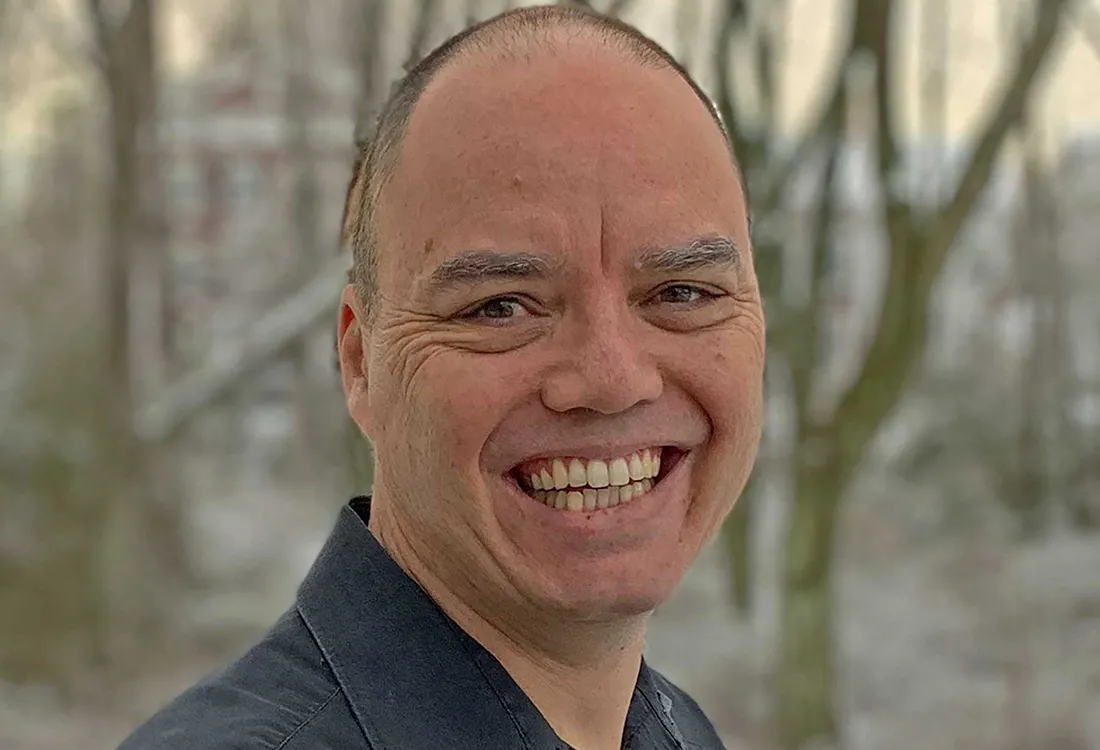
(499,308)
(684,294)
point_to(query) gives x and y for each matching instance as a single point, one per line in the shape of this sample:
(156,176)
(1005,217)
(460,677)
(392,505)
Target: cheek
(451,401)
(727,378)
(727,383)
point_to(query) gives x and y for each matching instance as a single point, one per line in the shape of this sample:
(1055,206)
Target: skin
(587,160)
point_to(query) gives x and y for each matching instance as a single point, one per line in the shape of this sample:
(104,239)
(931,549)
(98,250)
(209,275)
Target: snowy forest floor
(952,634)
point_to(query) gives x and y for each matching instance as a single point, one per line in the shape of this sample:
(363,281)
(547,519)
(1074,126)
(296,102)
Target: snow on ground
(950,638)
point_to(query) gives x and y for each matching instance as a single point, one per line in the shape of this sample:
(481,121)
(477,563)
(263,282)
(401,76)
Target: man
(555,342)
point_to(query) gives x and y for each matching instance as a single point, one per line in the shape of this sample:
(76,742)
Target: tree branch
(1089,25)
(774,183)
(898,342)
(803,345)
(65,44)
(616,8)
(933,88)
(425,21)
(874,24)
(368,61)
(871,55)
(8,20)
(733,23)
(104,37)
(770,230)
(768,44)
(473,12)
(976,174)
(280,327)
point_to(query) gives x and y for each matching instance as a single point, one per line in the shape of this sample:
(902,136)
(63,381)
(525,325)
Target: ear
(351,334)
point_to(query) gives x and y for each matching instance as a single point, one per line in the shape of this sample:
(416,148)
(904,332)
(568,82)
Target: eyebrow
(702,252)
(477,266)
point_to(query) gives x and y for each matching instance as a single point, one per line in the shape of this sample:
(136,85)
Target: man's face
(566,293)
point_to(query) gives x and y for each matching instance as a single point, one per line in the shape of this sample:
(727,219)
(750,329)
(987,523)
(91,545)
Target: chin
(635,590)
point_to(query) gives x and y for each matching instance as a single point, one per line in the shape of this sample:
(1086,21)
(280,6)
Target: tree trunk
(832,447)
(299,112)
(360,457)
(806,676)
(736,533)
(138,529)
(120,589)
(1030,481)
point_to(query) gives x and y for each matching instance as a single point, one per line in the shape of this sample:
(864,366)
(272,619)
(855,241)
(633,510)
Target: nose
(604,365)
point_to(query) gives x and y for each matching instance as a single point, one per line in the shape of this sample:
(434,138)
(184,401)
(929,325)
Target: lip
(669,493)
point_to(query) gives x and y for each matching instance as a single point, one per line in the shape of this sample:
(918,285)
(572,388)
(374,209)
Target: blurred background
(916,562)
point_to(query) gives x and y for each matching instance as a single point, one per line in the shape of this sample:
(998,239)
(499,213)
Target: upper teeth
(562,473)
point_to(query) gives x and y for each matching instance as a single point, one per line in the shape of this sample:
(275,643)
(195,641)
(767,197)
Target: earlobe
(351,345)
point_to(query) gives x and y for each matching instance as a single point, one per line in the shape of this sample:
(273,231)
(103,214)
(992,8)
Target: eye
(684,295)
(498,309)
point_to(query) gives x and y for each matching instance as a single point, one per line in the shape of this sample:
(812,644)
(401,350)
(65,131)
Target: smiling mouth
(577,484)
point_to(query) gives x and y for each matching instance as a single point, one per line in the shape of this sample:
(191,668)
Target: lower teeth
(591,499)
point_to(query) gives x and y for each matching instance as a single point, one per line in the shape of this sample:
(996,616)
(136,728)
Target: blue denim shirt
(365,659)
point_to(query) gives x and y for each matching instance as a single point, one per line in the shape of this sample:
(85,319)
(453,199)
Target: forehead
(546,148)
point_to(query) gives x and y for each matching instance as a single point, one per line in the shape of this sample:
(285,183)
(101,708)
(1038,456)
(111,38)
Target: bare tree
(360,459)
(761,29)
(687,31)
(8,21)
(426,19)
(1028,486)
(138,529)
(614,8)
(833,433)
(300,104)
(368,24)
(1089,23)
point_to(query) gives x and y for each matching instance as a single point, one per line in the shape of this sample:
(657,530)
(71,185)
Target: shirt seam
(653,709)
(312,715)
(492,686)
(366,726)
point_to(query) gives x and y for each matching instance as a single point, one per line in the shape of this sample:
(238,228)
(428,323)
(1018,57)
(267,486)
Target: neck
(579,675)
(582,681)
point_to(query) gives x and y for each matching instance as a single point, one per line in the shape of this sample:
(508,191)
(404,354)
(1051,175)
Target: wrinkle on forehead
(555,136)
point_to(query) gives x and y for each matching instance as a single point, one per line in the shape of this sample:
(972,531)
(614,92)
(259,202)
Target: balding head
(566,277)
(505,39)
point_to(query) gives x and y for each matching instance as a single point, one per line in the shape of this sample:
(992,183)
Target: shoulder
(685,714)
(279,695)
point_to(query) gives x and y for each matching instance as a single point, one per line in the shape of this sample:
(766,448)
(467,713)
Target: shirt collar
(413,678)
